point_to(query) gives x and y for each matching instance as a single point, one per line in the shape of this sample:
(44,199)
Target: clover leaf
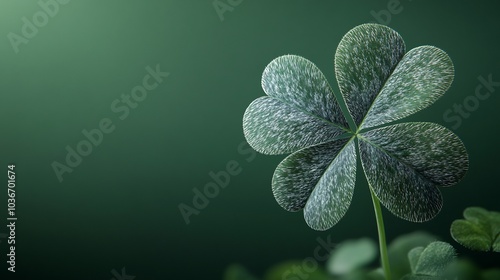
(430,262)
(400,247)
(479,231)
(380,82)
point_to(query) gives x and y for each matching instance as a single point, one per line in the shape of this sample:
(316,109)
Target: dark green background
(119,208)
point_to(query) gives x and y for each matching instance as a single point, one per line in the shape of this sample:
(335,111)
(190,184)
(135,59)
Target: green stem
(381,237)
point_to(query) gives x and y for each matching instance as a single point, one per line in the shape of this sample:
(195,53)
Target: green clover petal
(421,77)
(414,257)
(319,179)
(273,127)
(300,103)
(297,81)
(400,247)
(479,231)
(434,259)
(432,150)
(365,58)
(381,83)
(404,164)
(430,262)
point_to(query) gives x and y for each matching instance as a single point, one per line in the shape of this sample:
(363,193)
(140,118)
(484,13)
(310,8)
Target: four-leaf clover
(380,82)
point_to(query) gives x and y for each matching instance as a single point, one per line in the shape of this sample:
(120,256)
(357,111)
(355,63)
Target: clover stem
(381,237)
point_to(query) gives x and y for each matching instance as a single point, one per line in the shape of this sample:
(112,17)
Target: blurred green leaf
(237,272)
(351,255)
(414,256)
(377,274)
(362,275)
(421,277)
(399,248)
(294,270)
(431,262)
(435,258)
(479,231)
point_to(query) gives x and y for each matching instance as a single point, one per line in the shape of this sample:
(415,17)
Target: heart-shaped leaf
(422,76)
(380,83)
(300,103)
(365,58)
(430,262)
(319,179)
(404,164)
(414,256)
(479,231)
(400,247)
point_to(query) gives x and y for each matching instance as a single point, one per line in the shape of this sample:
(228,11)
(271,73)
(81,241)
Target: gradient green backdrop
(119,207)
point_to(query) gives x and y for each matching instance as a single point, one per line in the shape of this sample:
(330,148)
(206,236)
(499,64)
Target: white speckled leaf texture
(365,58)
(300,103)
(421,77)
(319,179)
(405,163)
(479,231)
(430,262)
(380,83)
